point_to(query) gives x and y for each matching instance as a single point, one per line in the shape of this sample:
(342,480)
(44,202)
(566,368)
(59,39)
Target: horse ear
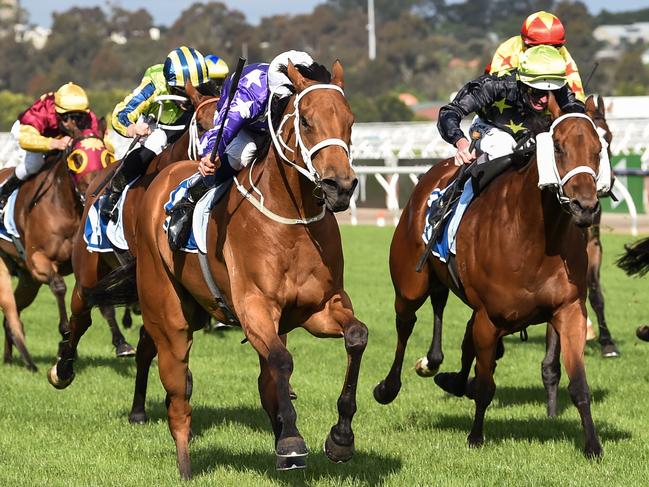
(600,105)
(591,109)
(193,94)
(296,78)
(553,106)
(338,78)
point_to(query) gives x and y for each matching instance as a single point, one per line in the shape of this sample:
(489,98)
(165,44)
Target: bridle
(194,137)
(306,153)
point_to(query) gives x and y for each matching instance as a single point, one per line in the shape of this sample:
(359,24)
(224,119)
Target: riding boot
(133,166)
(440,207)
(180,216)
(9,186)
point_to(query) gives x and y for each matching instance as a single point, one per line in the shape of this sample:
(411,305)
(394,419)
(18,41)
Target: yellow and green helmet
(542,67)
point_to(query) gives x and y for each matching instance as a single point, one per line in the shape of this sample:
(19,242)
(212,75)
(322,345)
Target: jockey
(508,106)
(217,71)
(244,130)
(46,126)
(538,29)
(129,119)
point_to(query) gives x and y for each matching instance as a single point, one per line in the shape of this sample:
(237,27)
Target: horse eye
(557,149)
(303,121)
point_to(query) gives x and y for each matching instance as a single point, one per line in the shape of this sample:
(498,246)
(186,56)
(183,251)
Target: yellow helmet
(542,67)
(71,98)
(217,68)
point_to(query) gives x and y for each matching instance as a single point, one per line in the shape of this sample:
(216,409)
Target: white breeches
(493,141)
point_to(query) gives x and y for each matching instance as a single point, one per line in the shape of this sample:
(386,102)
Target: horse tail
(635,260)
(117,288)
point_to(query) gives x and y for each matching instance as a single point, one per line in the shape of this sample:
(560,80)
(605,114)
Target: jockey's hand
(207,167)
(139,128)
(462,156)
(60,144)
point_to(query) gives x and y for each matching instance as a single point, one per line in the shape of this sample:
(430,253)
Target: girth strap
(216,292)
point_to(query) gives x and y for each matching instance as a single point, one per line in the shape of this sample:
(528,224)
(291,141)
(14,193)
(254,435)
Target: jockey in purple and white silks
(244,128)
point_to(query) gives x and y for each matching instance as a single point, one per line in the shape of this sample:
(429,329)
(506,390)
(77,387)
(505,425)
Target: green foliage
(632,77)
(629,17)
(12,105)
(102,102)
(384,108)
(80,436)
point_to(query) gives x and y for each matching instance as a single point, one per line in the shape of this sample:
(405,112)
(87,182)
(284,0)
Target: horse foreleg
(58,288)
(428,366)
(596,298)
(485,339)
(456,382)
(146,351)
(127,319)
(61,374)
(335,319)
(570,323)
(11,302)
(551,368)
(387,390)
(258,320)
(122,347)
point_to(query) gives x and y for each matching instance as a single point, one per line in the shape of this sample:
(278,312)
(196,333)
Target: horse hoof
(594,451)
(291,453)
(421,367)
(382,395)
(138,418)
(53,379)
(338,453)
(32,368)
(610,351)
(476,441)
(643,333)
(449,382)
(124,350)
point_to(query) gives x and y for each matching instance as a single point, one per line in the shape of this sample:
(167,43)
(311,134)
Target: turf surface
(80,436)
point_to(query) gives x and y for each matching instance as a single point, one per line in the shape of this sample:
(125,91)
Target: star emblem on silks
(575,87)
(501,105)
(252,78)
(242,108)
(570,68)
(515,127)
(506,62)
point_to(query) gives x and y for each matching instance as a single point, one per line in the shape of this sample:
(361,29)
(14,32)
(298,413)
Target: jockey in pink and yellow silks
(540,28)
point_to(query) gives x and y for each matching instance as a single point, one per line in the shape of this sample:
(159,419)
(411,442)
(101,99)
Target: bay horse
(428,365)
(89,267)
(279,265)
(521,259)
(47,214)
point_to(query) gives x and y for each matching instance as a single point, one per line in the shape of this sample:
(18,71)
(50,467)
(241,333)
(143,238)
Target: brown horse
(521,259)
(294,241)
(47,214)
(89,267)
(428,365)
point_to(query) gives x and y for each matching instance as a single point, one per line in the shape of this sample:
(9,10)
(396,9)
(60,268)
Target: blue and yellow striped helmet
(185,64)
(217,68)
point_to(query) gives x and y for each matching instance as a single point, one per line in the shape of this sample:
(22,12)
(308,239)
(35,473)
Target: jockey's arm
(127,112)
(30,139)
(244,107)
(568,101)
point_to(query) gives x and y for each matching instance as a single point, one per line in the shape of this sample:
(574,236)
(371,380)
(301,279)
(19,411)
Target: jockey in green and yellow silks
(540,28)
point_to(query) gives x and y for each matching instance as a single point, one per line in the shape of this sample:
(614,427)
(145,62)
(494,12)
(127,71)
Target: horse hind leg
(146,351)
(12,302)
(429,365)
(387,390)
(122,347)
(596,297)
(551,369)
(456,382)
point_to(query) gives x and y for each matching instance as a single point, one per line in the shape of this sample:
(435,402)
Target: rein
(192,148)
(306,153)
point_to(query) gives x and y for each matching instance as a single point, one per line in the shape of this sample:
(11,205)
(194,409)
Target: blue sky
(166,11)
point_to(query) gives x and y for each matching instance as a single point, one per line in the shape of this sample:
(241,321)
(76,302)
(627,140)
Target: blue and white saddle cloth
(102,235)
(198,237)
(7,223)
(445,244)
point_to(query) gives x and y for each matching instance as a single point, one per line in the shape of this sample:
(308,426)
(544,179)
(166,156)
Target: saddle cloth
(445,244)
(197,239)
(7,223)
(102,235)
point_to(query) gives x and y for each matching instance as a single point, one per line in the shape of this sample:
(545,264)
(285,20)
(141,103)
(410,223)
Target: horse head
(577,153)
(597,112)
(88,154)
(204,107)
(323,128)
